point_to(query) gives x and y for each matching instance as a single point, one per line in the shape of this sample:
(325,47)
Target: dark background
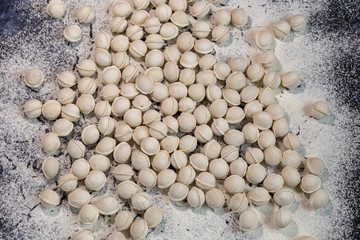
(341,19)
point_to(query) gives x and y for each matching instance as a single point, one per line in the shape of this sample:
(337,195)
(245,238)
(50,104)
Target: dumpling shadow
(51,211)
(300,88)
(327,210)
(290,231)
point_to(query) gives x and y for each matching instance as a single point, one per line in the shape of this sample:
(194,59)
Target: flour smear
(42,46)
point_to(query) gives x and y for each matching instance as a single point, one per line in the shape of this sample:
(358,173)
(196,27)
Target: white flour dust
(21,156)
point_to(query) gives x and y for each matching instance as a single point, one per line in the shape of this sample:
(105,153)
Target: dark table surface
(341,20)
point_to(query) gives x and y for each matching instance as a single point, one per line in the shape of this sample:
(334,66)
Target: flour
(43,47)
